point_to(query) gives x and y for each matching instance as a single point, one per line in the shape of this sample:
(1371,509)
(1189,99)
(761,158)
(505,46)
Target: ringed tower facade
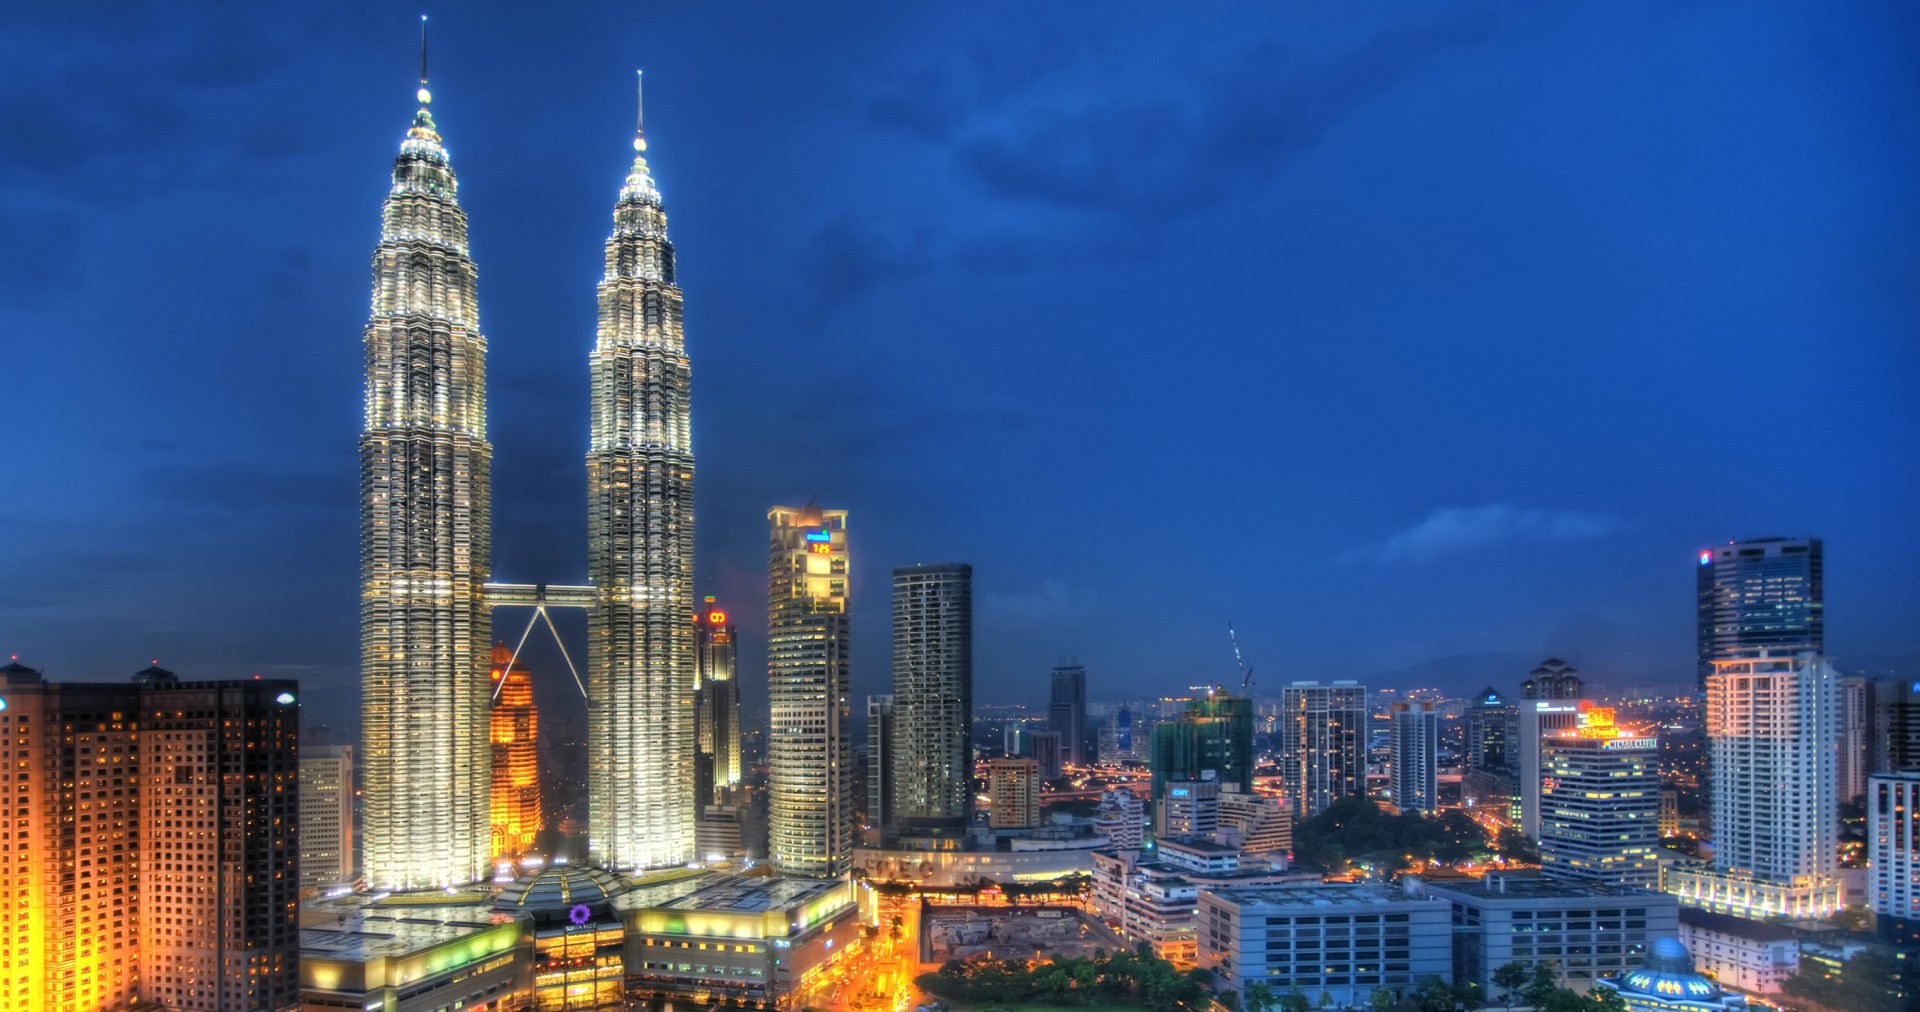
(640,668)
(425,536)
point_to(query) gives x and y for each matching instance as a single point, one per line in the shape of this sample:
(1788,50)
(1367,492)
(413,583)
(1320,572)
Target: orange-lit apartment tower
(516,758)
(69,914)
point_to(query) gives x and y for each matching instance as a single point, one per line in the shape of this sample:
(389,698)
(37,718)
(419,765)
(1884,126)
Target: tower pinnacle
(423,94)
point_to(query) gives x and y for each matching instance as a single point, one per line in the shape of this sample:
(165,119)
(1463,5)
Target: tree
(1542,986)
(1257,996)
(1606,999)
(1510,978)
(1382,1000)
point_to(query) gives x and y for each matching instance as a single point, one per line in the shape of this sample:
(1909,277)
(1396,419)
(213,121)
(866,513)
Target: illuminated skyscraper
(640,646)
(932,757)
(717,705)
(515,735)
(1773,724)
(1600,803)
(810,784)
(1323,743)
(1761,592)
(425,536)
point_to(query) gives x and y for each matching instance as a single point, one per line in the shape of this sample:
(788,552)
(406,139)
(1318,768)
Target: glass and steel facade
(425,541)
(640,642)
(809,746)
(717,705)
(1762,592)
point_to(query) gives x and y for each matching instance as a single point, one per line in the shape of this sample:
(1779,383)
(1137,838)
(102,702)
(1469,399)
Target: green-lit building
(1214,735)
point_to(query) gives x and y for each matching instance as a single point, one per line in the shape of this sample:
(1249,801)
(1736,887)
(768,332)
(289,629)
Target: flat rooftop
(1738,927)
(360,932)
(1318,895)
(736,894)
(1520,888)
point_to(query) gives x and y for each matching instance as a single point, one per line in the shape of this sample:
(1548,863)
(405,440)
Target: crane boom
(1246,673)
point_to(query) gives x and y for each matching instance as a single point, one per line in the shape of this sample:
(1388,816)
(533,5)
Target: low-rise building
(1754,956)
(1583,931)
(1666,981)
(579,937)
(1256,823)
(1149,896)
(1344,941)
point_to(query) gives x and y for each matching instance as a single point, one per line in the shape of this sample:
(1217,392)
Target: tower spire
(425,96)
(639,110)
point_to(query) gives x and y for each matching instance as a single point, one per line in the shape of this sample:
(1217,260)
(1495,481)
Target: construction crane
(1246,673)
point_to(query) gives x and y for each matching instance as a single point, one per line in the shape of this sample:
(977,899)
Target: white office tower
(1539,720)
(326,816)
(809,742)
(1416,756)
(1773,726)
(1893,855)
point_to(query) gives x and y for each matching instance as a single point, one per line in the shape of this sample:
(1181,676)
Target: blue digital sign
(819,536)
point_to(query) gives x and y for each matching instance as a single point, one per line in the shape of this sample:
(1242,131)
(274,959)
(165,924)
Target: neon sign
(820,548)
(1706,558)
(716,617)
(819,536)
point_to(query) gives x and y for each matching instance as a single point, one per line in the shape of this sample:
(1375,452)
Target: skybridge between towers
(540,597)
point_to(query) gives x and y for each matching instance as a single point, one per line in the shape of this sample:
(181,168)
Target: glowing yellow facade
(809,642)
(425,537)
(516,758)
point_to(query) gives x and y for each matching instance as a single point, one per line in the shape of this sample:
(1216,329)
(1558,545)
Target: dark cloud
(849,256)
(1160,159)
(38,257)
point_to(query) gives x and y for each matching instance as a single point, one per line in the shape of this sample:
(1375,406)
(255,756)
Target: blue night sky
(1421,341)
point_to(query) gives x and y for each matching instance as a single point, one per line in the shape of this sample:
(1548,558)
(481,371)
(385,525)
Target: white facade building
(1346,941)
(1600,804)
(1415,775)
(1773,727)
(1752,956)
(1323,743)
(326,816)
(1893,852)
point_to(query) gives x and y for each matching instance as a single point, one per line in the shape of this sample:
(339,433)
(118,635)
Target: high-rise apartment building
(809,597)
(326,816)
(716,705)
(219,858)
(1013,793)
(1323,743)
(1855,747)
(1893,719)
(932,758)
(1212,738)
(1759,593)
(1553,679)
(1893,855)
(1493,730)
(1067,712)
(1773,718)
(69,934)
(425,536)
(1416,756)
(1600,803)
(515,735)
(150,852)
(880,730)
(640,646)
(1046,749)
(1122,819)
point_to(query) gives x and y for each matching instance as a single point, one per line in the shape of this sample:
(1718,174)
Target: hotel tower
(425,541)
(640,642)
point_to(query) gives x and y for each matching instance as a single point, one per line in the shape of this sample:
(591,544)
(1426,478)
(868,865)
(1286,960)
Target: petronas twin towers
(426,542)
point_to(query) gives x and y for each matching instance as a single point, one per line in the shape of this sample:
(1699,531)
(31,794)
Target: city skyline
(1602,560)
